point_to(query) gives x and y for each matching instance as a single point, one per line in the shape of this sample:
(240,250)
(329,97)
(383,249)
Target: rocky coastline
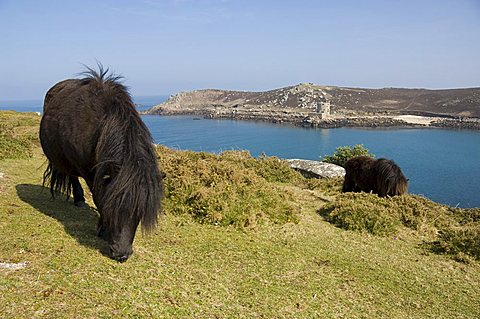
(314,121)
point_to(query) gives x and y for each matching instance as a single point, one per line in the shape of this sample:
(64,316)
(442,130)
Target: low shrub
(421,214)
(271,168)
(447,230)
(227,189)
(343,153)
(383,215)
(328,186)
(12,147)
(362,212)
(461,238)
(459,241)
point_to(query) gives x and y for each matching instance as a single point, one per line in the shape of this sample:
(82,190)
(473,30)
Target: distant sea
(142,102)
(441,164)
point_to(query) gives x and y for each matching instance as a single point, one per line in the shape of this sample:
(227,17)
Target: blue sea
(441,164)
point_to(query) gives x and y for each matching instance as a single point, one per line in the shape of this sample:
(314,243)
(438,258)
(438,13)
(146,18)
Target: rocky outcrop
(469,124)
(316,169)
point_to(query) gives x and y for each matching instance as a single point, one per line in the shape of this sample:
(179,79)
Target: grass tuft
(460,238)
(362,212)
(459,241)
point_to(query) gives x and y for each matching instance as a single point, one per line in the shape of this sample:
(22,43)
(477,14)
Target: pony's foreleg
(102,231)
(78,195)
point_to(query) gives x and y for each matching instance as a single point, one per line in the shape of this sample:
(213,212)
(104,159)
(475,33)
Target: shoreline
(313,120)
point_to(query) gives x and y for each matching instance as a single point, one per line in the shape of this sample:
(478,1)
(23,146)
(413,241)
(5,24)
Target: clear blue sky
(163,47)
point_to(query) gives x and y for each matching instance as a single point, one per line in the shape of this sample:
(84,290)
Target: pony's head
(124,199)
(399,186)
(390,179)
(120,241)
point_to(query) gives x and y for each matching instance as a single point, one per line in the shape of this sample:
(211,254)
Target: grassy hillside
(239,238)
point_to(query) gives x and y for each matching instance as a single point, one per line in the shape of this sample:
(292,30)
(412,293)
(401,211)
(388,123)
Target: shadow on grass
(79,222)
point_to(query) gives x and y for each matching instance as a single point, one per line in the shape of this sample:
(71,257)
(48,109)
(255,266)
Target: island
(311,105)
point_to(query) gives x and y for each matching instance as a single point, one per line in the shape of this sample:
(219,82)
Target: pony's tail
(57,181)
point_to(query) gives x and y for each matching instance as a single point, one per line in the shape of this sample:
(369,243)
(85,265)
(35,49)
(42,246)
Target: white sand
(414,119)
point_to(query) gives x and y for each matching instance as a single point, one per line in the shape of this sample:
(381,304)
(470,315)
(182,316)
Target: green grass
(18,134)
(288,264)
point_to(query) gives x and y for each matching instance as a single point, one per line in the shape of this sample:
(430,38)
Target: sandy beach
(415,119)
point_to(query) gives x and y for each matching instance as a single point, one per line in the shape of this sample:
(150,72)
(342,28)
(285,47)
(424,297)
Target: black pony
(90,129)
(382,176)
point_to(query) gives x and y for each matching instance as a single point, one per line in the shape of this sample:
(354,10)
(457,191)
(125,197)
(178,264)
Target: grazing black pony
(90,129)
(381,176)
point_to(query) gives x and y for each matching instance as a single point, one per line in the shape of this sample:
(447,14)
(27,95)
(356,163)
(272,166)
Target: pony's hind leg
(78,194)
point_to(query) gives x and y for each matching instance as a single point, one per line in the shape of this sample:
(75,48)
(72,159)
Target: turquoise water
(442,165)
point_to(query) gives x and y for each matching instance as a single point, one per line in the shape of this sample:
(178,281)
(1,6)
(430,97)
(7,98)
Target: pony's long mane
(126,174)
(389,177)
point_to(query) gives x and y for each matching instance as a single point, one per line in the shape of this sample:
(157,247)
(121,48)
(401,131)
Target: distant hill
(344,101)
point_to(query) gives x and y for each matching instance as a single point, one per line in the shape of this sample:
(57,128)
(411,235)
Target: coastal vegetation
(231,188)
(239,237)
(343,153)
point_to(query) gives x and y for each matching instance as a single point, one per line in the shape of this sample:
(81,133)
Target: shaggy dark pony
(90,129)
(381,176)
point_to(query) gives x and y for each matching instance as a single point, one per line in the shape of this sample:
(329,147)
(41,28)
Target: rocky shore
(315,121)
(463,124)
